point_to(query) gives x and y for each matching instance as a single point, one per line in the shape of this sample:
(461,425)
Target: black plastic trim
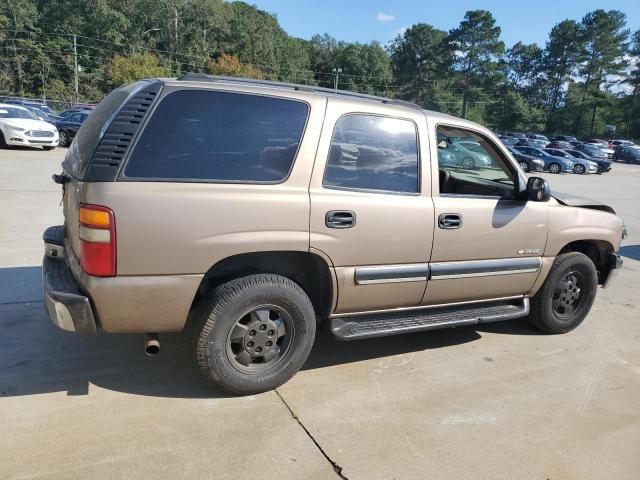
(119,135)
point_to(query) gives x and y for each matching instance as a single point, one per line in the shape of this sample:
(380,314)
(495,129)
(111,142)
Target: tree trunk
(633,101)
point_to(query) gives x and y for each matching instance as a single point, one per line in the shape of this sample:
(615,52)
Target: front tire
(63,139)
(256,333)
(554,168)
(566,297)
(579,169)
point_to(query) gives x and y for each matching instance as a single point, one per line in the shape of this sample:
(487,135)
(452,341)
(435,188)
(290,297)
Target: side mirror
(538,189)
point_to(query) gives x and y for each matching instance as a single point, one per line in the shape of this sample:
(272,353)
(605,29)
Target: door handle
(340,219)
(450,221)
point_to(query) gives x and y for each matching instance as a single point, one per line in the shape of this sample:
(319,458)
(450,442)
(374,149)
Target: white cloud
(385,17)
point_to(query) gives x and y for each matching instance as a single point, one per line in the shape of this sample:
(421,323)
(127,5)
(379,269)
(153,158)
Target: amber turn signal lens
(94,218)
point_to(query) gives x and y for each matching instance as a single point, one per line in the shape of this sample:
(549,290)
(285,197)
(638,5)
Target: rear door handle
(450,221)
(340,219)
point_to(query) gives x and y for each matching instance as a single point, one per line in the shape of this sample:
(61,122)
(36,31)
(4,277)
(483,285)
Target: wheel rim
(567,296)
(259,339)
(524,166)
(554,168)
(63,139)
(579,169)
(467,164)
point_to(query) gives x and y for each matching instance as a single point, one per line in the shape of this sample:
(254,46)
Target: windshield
(13,112)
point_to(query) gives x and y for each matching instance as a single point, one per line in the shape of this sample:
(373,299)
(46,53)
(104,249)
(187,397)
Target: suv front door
(371,208)
(487,243)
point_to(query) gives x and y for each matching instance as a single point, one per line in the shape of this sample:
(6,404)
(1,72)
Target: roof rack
(203,77)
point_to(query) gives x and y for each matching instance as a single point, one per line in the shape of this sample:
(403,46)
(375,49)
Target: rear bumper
(615,265)
(66,305)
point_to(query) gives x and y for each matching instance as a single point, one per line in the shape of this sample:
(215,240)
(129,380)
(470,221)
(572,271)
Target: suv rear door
(371,207)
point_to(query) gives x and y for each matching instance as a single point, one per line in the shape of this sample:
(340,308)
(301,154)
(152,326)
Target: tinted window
(219,136)
(470,164)
(369,152)
(88,136)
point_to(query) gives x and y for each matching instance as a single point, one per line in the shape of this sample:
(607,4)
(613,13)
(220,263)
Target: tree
(604,47)
(421,58)
(561,56)
(230,66)
(633,80)
(136,67)
(477,46)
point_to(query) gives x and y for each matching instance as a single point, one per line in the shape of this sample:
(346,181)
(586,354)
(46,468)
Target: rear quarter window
(214,136)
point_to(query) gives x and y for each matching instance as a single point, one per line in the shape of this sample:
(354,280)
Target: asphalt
(496,402)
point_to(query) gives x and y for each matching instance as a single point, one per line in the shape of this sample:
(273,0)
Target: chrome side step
(380,325)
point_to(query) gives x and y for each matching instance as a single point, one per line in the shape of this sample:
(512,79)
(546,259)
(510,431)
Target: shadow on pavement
(36,357)
(630,251)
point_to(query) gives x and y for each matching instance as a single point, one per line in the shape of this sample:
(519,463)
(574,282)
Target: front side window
(470,164)
(216,136)
(370,152)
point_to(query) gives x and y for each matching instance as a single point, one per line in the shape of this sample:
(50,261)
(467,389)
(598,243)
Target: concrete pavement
(495,402)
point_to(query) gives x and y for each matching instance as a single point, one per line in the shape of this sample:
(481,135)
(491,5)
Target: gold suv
(251,211)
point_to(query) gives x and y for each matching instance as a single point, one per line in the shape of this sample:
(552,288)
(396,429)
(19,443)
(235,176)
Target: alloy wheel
(554,168)
(567,296)
(259,339)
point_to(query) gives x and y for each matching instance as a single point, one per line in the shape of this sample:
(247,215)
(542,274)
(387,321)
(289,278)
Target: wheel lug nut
(271,333)
(250,344)
(258,349)
(263,327)
(269,343)
(252,333)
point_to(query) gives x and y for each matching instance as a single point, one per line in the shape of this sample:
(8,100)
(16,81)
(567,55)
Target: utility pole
(336,71)
(75,65)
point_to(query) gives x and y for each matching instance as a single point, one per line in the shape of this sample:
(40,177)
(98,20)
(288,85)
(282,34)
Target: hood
(29,124)
(581,202)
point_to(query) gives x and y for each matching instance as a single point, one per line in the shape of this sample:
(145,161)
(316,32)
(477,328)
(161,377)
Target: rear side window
(371,152)
(201,135)
(90,134)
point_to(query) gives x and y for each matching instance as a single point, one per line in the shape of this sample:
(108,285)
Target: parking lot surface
(499,401)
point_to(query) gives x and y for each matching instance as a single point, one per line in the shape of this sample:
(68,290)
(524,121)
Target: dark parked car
(527,162)
(69,126)
(620,143)
(627,154)
(559,145)
(565,138)
(603,165)
(551,163)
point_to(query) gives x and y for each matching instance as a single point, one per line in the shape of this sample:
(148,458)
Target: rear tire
(255,333)
(566,297)
(554,168)
(468,163)
(3,143)
(579,169)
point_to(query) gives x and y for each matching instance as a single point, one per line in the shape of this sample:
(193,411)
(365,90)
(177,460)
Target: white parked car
(19,126)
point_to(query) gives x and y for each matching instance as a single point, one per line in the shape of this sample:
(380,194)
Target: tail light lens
(97,240)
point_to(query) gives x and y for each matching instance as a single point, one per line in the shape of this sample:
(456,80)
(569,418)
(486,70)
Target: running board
(381,325)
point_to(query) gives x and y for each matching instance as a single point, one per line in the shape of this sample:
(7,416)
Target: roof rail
(203,77)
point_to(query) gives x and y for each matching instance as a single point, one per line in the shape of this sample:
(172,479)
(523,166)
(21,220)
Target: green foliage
(586,76)
(124,70)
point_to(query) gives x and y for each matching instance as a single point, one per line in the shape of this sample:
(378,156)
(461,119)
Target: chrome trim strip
(484,268)
(392,274)
(425,307)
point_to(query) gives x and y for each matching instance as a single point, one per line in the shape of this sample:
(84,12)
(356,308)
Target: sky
(382,20)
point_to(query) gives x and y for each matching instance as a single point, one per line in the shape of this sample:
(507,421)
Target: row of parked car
(32,124)
(565,153)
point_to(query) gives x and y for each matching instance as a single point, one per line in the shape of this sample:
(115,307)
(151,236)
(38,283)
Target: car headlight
(16,129)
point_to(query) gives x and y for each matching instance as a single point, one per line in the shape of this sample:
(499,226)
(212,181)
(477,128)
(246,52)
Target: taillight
(97,240)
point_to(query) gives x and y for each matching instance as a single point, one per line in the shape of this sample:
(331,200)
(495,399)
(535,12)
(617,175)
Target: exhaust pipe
(151,344)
